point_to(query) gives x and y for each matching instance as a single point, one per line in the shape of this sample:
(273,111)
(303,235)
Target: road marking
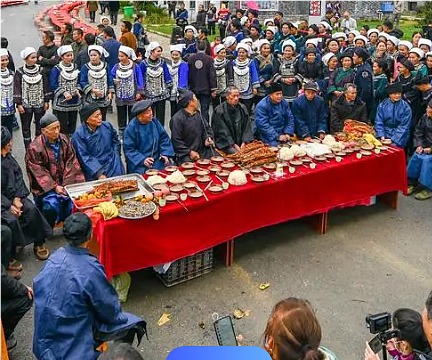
(12,14)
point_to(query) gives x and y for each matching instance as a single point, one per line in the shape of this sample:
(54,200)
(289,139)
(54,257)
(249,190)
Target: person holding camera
(294,333)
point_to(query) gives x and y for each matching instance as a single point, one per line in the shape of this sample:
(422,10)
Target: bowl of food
(271,166)
(152,172)
(215,189)
(176,188)
(189,172)
(171,168)
(187,165)
(196,194)
(171,197)
(214,168)
(217,159)
(203,179)
(203,172)
(256,170)
(227,165)
(223,173)
(203,161)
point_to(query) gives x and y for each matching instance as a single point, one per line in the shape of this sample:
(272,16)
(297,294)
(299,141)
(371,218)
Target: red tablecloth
(128,245)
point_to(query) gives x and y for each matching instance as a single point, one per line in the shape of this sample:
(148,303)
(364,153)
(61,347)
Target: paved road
(373,259)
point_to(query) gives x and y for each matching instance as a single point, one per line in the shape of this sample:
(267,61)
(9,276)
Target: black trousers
(248,103)
(123,116)
(12,311)
(174,107)
(222,30)
(212,27)
(26,120)
(8,120)
(68,120)
(204,100)
(159,111)
(92,16)
(6,245)
(113,17)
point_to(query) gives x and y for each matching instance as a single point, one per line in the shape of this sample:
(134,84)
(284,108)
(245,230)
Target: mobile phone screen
(225,332)
(375,344)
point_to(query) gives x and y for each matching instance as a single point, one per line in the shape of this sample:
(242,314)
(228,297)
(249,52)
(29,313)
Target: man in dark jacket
(201,16)
(83,56)
(16,300)
(202,78)
(347,106)
(111,45)
(114,7)
(47,53)
(78,44)
(363,77)
(66,31)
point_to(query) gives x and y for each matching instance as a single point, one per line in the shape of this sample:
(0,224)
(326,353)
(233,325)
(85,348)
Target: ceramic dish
(258,179)
(176,188)
(203,172)
(296,162)
(329,156)
(190,185)
(256,170)
(383,148)
(227,165)
(203,162)
(367,147)
(217,159)
(366,152)
(171,168)
(340,153)
(171,197)
(386,142)
(306,160)
(356,148)
(160,186)
(215,189)
(203,179)
(320,158)
(214,168)
(349,151)
(189,172)
(151,172)
(195,194)
(223,173)
(187,165)
(271,166)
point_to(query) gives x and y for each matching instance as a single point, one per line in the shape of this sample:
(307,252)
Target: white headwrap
(244,47)
(326,58)
(296,24)
(428,54)
(266,21)
(177,47)
(361,37)
(243,20)
(26,52)
(261,43)
(326,25)
(354,32)
(99,49)
(4,52)
(338,35)
(248,41)
(129,52)
(190,27)
(273,29)
(371,31)
(313,41)
(394,40)
(288,43)
(64,49)
(218,48)
(384,34)
(426,42)
(418,51)
(105,17)
(153,45)
(406,43)
(229,41)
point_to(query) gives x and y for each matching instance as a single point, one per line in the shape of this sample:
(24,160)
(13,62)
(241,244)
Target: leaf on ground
(264,286)
(164,319)
(201,325)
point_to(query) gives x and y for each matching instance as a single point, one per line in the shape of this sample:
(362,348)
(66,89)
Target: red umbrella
(252,5)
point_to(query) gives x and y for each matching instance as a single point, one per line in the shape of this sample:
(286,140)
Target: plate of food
(203,179)
(214,168)
(329,156)
(383,148)
(367,147)
(386,142)
(215,189)
(271,166)
(227,165)
(366,152)
(171,168)
(190,184)
(258,179)
(296,162)
(203,161)
(189,172)
(203,172)
(306,160)
(151,172)
(195,194)
(176,188)
(160,186)
(256,170)
(188,165)
(356,148)
(349,150)
(217,159)
(340,153)
(320,158)
(171,197)
(134,210)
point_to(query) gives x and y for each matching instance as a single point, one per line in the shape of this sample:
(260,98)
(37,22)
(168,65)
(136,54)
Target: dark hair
(366,27)
(279,13)
(90,39)
(121,352)
(49,34)
(415,33)
(127,24)
(329,11)
(410,324)
(429,306)
(101,26)
(201,45)
(256,27)
(236,24)
(254,12)
(381,64)
(4,43)
(79,31)
(109,31)
(388,24)
(295,331)
(68,27)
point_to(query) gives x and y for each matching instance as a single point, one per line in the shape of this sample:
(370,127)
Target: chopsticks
(204,194)
(183,205)
(217,177)
(208,185)
(152,153)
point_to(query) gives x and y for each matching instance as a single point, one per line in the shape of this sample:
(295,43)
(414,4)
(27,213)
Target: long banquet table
(128,245)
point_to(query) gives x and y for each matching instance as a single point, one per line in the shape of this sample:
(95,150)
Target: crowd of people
(272,80)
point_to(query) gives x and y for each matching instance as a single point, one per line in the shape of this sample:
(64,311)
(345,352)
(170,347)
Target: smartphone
(225,331)
(375,344)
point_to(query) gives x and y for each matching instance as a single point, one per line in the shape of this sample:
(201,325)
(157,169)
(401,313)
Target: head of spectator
(77,230)
(379,67)
(203,33)
(78,35)
(406,67)
(105,21)
(310,55)
(364,30)
(125,26)
(126,55)
(415,56)
(293,331)
(142,110)
(89,39)
(285,28)
(121,351)
(220,52)
(188,101)
(360,56)
(394,91)
(243,51)
(381,48)
(190,32)
(360,41)
(252,14)
(6,141)
(154,51)
(333,46)
(313,30)
(236,25)
(4,58)
(108,32)
(310,90)
(350,92)
(48,38)
(50,127)
(275,93)
(346,15)
(4,42)
(288,49)
(239,13)
(279,16)
(99,29)
(387,26)
(254,31)
(232,95)
(176,52)
(330,60)
(415,38)
(372,35)
(29,56)
(65,52)
(422,83)
(429,61)
(392,44)
(425,45)
(346,60)
(91,115)
(269,22)
(404,47)
(201,46)
(66,29)
(182,5)
(380,28)
(329,14)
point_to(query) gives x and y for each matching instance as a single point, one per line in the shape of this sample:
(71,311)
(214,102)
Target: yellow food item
(107,209)
(372,140)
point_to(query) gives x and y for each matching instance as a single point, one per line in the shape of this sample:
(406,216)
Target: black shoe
(11,343)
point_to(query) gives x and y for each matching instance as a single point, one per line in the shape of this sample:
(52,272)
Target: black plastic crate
(188,268)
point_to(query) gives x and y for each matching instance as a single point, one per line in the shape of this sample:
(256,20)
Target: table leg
(228,252)
(390,199)
(319,222)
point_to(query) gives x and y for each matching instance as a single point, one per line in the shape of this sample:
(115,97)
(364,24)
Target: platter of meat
(196,194)
(187,165)
(171,168)
(271,166)
(367,147)
(171,197)
(189,172)
(215,189)
(217,159)
(136,209)
(190,185)
(151,172)
(386,141)
(253,154)
(256,170)
(366,152)
(203,162)
(214,168)
(227,165)
(203,179)
(117,186)
(258,178)
(320,158)
(176,188)
(296,162)
(203,172)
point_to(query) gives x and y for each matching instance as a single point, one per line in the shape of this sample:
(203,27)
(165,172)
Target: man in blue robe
(76,308)
(309,113)
(97,145)
(394,116)
(146,143)
(273,117)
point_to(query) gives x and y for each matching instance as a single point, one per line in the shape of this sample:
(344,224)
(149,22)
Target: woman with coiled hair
(294,333)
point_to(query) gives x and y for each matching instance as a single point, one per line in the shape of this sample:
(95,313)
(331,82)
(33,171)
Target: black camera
(379,323)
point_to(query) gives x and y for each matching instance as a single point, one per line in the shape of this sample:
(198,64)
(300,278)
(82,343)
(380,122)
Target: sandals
(41,252)
(411,189)
(423,195)
(14,265)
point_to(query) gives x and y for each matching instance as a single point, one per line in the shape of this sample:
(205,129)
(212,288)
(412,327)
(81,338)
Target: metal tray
(76,190)
(139,217)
